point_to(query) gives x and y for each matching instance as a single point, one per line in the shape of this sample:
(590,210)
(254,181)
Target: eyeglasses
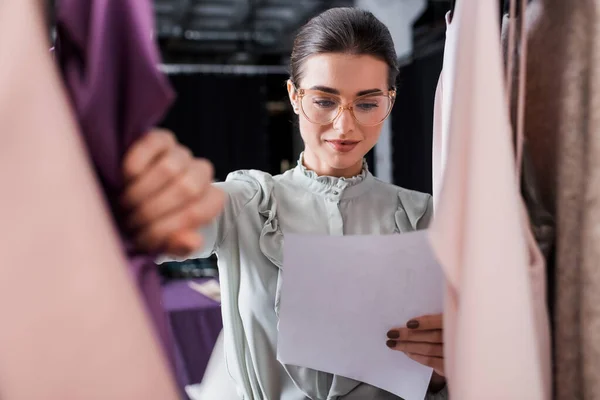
(323,108)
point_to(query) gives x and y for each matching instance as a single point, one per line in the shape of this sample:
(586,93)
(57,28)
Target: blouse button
(336,192)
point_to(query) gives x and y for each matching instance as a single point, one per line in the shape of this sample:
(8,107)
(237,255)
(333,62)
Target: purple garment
(196,322)
(109,64)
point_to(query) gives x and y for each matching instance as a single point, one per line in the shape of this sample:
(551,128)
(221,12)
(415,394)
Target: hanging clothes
(109,64)
(72,325)
(495,299)
(563,89)
(535,196)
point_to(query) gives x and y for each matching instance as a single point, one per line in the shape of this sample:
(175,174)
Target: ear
(293,96)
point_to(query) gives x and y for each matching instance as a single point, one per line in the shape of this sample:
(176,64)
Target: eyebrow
(337,92)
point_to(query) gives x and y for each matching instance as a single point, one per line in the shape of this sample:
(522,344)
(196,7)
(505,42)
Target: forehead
(347,73)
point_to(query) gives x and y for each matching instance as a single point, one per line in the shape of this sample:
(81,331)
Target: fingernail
(412,324)
(393,334)
(391,344)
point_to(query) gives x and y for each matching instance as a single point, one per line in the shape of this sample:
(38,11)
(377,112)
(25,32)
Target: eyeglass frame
(391,93)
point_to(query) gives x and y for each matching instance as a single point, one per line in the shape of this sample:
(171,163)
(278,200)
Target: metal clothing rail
(173,69)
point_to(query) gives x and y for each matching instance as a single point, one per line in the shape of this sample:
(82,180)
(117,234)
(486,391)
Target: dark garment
(223,117)
(412,122)
(108,62)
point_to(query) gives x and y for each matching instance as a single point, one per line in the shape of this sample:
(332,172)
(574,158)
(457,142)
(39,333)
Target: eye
(367,105)
(324,103)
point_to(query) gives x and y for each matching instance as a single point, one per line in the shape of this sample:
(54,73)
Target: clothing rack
(173,69)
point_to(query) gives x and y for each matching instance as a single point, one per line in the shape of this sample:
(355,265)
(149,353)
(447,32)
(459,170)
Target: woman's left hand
(421,340)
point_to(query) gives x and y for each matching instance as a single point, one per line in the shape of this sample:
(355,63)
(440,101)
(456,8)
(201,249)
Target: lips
(342,146)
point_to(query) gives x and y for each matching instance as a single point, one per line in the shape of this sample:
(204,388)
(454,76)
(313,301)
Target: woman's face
(337,149)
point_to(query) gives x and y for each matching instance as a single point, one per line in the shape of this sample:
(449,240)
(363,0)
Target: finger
(192,184)
(426,322)
(199,212)
(405,334)
(424,349)
(165,169)
(143,152)
(183,243)
(436,363)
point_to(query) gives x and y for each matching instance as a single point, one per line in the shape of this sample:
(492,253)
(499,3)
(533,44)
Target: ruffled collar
(331,185)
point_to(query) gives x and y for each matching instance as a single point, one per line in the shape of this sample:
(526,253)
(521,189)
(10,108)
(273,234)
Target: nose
(344,122)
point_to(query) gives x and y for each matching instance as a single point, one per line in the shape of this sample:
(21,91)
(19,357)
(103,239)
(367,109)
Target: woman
(342,87)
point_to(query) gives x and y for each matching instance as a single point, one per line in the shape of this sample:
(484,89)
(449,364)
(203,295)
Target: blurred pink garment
(73,326)
(496,324)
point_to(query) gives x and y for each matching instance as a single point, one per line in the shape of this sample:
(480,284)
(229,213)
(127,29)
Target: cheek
(311,133)
(372,134)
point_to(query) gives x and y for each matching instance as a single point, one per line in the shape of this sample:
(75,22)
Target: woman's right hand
(168,195)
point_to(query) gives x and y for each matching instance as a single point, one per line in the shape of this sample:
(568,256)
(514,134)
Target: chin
(343,161)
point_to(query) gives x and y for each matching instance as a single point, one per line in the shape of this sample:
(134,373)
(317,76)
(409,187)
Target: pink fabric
(73,327)
(496,327)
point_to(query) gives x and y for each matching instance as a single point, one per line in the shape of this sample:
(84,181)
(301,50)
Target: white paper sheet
(340,296)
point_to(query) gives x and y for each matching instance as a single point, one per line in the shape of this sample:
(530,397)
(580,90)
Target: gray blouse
(248,241)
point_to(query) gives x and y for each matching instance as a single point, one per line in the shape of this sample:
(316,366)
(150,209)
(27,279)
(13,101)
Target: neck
(312,163)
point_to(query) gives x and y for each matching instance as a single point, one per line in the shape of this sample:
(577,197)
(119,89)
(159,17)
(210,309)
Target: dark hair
(344,30)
